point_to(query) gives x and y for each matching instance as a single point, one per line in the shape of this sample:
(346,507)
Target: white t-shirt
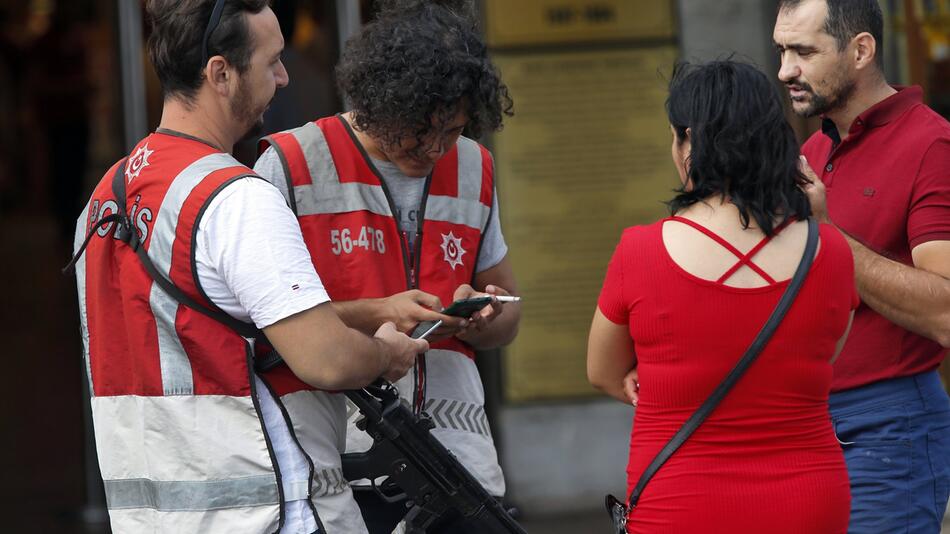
(252,263)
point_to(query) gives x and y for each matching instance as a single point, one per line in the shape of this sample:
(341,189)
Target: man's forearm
(324,353)
(365,315)
(912,298)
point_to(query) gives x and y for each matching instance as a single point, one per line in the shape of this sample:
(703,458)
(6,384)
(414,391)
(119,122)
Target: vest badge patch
(452,247)
(137,162)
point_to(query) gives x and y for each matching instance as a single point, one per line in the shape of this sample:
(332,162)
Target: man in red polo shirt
(884,162)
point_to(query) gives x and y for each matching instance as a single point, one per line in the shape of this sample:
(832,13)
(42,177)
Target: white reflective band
(81,230)
(188,495)
(470,169)
(179,437)
(236,520)
(176,369)
(297,490)
(458,415)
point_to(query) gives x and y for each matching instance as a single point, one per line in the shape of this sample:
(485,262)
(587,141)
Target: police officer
(191,259)
(400,214)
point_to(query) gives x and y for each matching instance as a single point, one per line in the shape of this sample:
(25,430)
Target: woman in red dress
(684,297)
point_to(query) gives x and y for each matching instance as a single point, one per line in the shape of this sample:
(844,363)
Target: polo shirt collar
(830,130)
(893,106)
(879,114)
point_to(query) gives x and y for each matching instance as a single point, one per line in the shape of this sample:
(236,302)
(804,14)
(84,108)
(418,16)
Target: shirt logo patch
(137,162)
(452,247)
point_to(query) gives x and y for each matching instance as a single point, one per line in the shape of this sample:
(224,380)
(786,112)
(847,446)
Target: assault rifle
(427,474)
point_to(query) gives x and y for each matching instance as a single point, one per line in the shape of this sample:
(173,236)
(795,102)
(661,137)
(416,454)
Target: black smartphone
(466,307)
(459,308)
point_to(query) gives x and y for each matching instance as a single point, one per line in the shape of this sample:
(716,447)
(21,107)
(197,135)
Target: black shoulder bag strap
(127,234)
(617,510)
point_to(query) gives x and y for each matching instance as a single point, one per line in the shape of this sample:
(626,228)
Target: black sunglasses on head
(212,24)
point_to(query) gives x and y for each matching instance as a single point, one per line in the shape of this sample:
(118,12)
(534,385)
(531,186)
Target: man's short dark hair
(847,18)
(415,66)
(177,29)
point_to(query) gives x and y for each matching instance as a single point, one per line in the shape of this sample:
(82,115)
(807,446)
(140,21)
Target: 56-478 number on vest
(343,242)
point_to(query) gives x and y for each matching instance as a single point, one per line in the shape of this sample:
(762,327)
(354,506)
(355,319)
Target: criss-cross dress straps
(744,259)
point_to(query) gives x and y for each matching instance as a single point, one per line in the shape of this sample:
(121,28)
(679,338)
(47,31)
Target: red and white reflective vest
(179,434)
(348,223)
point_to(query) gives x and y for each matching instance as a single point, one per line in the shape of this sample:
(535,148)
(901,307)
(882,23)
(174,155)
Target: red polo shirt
(888,187)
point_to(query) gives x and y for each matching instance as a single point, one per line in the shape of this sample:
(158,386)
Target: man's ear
(864,50)
(219,74)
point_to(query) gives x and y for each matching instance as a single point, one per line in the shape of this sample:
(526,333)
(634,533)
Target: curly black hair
(416,65)
(742,148)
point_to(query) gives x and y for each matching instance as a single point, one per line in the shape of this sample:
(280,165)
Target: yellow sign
(527,22)
(586,155)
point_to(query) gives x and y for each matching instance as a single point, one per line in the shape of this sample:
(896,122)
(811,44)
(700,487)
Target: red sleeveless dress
(766,460)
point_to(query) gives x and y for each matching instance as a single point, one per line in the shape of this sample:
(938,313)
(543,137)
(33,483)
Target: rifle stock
(426,473)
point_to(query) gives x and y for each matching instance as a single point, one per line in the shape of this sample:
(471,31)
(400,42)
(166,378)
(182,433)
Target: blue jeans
(895,435)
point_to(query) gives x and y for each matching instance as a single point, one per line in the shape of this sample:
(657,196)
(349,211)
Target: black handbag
(618,510)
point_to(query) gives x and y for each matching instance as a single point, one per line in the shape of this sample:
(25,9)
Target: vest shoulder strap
(126,233)
(276,142)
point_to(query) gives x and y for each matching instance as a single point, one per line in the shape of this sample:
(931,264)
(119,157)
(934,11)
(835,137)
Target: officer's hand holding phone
(481,319)
(410,308)
(462,309)
(477,308)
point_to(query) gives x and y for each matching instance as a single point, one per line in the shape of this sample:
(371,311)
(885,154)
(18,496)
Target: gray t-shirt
(406,193)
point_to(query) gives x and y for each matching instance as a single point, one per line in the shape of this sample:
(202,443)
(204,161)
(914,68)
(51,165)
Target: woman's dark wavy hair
(418,61)
(742,148)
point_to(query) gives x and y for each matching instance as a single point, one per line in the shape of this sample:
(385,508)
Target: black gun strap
(130,236)
(117,218)
(126,233)
(700,415)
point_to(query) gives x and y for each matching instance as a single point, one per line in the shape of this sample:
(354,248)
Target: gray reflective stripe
(467,209)
(458,415)
(81,229)
(326,194)
(316,151)
(351,410)
(329,482)
(470,169)
(189,495)
(468,420)
(463,211)
(176,369)
(323,198)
